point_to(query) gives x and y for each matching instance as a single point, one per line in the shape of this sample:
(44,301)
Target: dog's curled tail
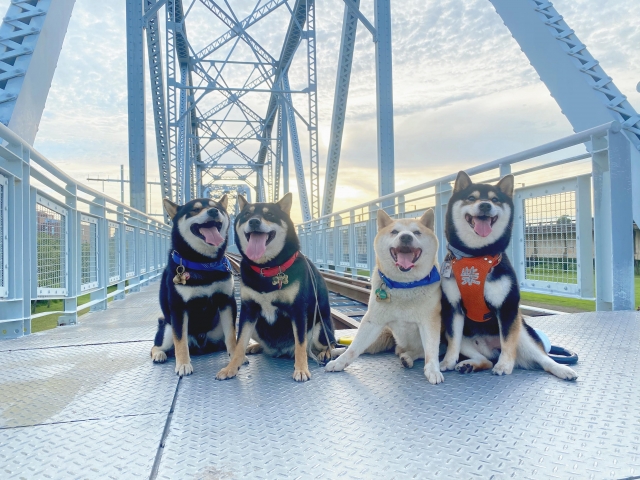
(384,342)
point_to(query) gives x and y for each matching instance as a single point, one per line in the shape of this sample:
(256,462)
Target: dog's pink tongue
(257,245)
(482,226)
(405,260)
(212,236)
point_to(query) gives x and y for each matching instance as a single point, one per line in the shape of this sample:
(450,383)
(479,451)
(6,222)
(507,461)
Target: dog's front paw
(158,356)
(503,368)
(253,349)
(448,364)
(324,356)
(301,374)
(184,369)
(226,373)
(335,365)
(433,374)
(245,361)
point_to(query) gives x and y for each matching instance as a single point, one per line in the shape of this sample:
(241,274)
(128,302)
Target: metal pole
(384,97)
(136,107)
(122,183)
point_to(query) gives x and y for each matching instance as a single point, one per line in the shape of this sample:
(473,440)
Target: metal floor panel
(98,410)
(119,448)
(379,419)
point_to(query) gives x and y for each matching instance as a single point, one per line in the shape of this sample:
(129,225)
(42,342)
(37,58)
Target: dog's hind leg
(530,354)
(183,360)
(163,342)
(367,334)
(476,360)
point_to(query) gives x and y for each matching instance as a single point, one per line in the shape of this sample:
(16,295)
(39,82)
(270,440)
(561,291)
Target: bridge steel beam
(384,98)
(136,106)
(585,94)
(31,37)
(156,74)
(345,60)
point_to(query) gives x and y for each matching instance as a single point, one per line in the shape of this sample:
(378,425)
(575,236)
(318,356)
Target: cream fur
(413,315)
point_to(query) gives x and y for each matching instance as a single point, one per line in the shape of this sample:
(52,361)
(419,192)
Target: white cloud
(463,91)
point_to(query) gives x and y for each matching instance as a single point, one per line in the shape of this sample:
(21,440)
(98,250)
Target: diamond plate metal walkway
(86,402)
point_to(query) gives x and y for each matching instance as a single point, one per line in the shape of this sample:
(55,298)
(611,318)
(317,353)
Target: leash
(316,312)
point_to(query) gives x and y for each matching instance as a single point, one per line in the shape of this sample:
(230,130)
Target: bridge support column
(613,221)
(384,97)
(136,104)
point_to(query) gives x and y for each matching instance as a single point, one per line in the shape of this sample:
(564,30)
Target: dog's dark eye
(495,200)
(417,233)
(394,232)
(471,198)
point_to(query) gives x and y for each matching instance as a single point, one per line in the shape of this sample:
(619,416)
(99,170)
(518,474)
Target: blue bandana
(433,277)
(221,266)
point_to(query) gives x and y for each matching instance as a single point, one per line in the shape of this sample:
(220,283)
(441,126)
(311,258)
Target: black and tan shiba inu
(481,298)
(284,300)
(405,296)
(196,294)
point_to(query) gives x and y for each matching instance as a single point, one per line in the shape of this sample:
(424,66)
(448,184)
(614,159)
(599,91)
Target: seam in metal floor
(98,408)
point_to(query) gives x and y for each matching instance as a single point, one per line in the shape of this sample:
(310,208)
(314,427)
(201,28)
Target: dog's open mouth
(405,257)
(482,225)
(209,232)
(258,242)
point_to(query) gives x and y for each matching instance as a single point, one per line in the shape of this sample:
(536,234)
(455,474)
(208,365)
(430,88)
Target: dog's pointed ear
(242,202)
(505,185)
(224,201)
(383,219)
(428,219)
(462,181)
(285,203)
(170,207)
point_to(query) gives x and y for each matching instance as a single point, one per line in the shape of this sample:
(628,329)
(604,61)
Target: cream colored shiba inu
(405,296)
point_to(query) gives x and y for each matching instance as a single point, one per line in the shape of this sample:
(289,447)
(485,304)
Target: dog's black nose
(406,238)
(254,223)
(484,207)
(213,212)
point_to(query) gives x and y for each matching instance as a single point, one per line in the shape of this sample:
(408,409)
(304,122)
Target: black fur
(279,335)
(203,311)
(507,314)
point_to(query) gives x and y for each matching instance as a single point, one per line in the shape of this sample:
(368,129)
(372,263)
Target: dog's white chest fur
(187,292)
(269,311)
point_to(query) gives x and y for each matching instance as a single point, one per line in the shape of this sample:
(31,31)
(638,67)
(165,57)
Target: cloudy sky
(464,93)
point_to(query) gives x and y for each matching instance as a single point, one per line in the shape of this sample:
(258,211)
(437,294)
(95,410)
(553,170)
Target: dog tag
(382,295)
(280,279)
(445,271)
(181,276)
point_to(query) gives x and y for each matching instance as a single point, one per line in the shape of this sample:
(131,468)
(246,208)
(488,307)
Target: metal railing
(60,239)
(558,246)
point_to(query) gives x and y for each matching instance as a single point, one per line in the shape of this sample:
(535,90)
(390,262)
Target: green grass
(51,321)
(571,303)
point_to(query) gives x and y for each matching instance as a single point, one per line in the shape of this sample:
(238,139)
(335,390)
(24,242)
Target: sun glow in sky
(464,93)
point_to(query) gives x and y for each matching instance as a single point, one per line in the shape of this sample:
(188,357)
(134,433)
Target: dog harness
(471,274)
(279,277)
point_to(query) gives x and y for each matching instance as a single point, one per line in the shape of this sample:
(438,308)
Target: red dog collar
(273,271)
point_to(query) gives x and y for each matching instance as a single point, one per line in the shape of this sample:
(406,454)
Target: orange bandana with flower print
(470,274)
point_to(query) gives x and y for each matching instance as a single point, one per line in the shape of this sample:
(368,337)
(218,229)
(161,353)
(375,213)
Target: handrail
(566,142)
(7,134)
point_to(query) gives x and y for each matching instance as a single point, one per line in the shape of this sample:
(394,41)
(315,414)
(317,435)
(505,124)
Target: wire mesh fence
(142,253)
(130,253)
(88,253)
(114,251)
(51,245)
(550,238)
(344,245)
(319,247)
(331,257)
(151,251)
(362,247)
